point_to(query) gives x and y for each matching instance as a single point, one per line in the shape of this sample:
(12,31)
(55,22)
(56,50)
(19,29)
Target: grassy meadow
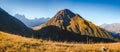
(15,43)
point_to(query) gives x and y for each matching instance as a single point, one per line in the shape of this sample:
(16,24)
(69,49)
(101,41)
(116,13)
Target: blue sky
(97,11)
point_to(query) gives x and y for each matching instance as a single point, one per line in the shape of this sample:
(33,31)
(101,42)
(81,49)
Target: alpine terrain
(68,26)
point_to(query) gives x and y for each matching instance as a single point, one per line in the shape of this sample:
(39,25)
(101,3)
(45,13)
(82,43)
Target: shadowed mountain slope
(10,24)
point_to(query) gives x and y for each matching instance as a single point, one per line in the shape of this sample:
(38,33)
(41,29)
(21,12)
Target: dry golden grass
(14,43)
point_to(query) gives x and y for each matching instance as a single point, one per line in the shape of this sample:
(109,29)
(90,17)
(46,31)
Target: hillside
(15,43)
(10,24)
(68,26)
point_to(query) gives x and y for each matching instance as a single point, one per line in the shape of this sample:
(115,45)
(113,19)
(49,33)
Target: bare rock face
(72,26)
(12,25)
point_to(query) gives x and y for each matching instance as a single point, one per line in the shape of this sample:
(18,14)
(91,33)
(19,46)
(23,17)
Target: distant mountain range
(31,22)
(66,25)
(114,27)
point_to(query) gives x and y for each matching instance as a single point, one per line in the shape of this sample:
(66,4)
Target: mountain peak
(64,14)
(65,11)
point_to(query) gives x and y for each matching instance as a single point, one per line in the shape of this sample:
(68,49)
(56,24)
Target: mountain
(114,27)
(68,26)
(10,24)
(31,22)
